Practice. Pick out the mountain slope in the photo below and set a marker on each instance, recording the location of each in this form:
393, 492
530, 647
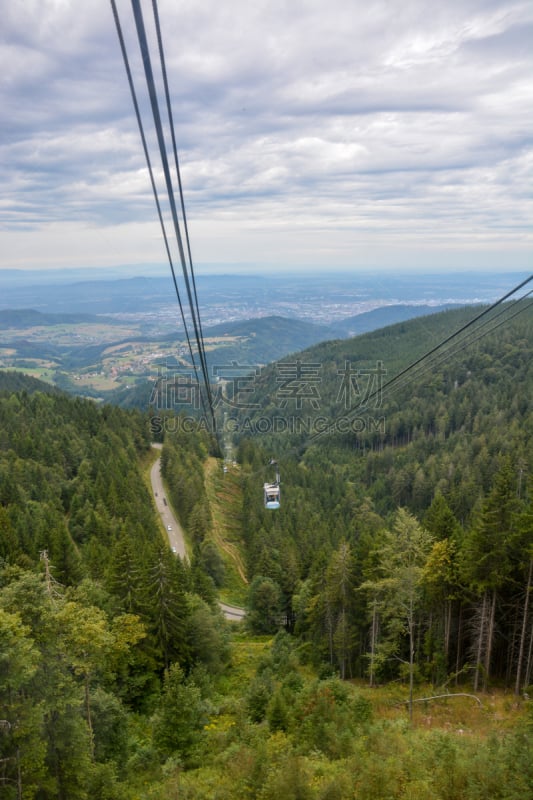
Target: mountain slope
14, 381
437, 423
266, 339
386, 315
29, 317
414, 514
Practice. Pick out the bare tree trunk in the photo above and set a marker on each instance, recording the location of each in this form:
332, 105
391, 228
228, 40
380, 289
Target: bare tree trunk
340, 638
430, 650
411, 623
527, 677
481, 636
373, 642
418, 648
511, 649
447, 629
459, 641
490, 639
523, 631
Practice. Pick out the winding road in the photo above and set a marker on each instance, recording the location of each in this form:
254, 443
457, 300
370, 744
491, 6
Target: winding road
174, 530
232, 612
176, 539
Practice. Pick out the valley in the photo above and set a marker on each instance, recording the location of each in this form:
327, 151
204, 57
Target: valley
385, 652
111, 339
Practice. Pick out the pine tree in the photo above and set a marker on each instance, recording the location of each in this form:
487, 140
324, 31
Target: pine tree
525, 533
338, 603
487, 562
181, 715
22, 749
167, 607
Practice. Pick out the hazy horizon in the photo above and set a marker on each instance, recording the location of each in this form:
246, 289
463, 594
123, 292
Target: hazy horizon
248, 270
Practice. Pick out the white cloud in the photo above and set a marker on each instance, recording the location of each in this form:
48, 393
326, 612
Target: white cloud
341, 133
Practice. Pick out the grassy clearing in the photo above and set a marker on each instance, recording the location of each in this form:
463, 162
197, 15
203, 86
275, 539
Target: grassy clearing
225, 499
42, 373
499, 710
499, 713
100, 383
342, 741
246, 653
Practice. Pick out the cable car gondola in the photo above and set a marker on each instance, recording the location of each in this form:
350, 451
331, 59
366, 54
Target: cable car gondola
272, 492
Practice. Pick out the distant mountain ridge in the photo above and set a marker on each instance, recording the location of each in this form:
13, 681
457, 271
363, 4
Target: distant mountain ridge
87, 291
303, 334
273, 339
380, 317
30, 317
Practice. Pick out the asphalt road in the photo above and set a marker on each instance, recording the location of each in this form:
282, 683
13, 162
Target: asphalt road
174, 530
232, 612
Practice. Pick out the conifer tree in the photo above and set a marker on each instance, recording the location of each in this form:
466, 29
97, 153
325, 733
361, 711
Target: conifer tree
525, 534
167, 606
181, 715
487, 561
338, 602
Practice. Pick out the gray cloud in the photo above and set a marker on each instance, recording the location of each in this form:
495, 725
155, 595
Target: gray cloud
346, 133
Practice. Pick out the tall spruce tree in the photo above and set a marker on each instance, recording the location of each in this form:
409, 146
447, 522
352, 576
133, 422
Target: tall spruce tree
487, 562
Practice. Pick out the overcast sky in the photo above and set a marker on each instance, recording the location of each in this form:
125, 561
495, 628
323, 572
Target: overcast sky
330, 133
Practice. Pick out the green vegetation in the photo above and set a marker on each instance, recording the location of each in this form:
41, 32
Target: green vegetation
224, 541
119, 362
446, 480
397, 570
101, 624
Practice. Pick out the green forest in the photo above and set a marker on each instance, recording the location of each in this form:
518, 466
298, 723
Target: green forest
387, 648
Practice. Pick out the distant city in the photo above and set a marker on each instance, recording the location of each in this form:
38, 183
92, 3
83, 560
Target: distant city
323, 300
100, 337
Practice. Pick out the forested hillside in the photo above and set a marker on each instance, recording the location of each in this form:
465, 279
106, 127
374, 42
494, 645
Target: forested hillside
99, 621
398, 567
405, 549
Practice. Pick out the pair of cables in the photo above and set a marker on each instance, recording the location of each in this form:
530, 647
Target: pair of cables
482, 324
178, 216
465, 336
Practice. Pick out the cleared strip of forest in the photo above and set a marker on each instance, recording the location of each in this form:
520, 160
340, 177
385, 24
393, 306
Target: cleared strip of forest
225, 498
